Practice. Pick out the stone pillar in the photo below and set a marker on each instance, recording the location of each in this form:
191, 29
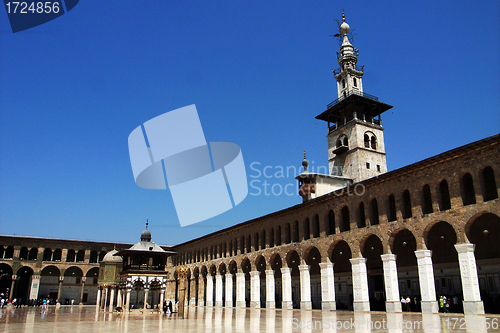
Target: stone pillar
35, 286
255, 289
192, 291
210, 290
119, 298
229, 290
106, 298
392, 303
218, 290
270, 292
468, 274
426, 280
81, 291
112, 299
162, 299
286, 285
58, 304
305, 288
146, 294
12, 285
327, 286
360, 285
201, 290
240, 290
98, 301
127, 302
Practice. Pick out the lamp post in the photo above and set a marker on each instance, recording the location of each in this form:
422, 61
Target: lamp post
182, 274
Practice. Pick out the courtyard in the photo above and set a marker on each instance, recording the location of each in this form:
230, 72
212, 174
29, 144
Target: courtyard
206, 319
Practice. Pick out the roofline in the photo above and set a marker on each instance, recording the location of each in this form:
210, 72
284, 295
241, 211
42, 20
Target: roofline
495, 139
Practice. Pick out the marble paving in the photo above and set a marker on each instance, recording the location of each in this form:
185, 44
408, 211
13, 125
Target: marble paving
87, 319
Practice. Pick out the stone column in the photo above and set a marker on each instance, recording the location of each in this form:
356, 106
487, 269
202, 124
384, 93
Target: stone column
98, 301
218, 290
286, 285
192, 291
106, 298
12, 285
119, 299
255, 289
201, 290
270, 292
327, 286
240, 290
35, 286
360, 285
229, 290
81, 291
210, 290
127, 302
470, 284
162, 299
112, 299
146, 294
392, 302
305, 288
426, 280
58, 304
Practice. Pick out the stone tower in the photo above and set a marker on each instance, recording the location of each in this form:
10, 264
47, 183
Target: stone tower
355, 134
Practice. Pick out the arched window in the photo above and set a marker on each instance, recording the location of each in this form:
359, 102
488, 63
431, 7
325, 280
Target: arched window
307, 229
392, 208
70, 257
367, 141
374, 142
445, 202
490, 186
249, 244
263, 240
242, 244
56, 256
271, 238
295, 232
361, 215
315, 226
375, 218
331, 222
407, 205
278, 236
23, 254
256, 241
355, 82
47, 254
33, 254
343, 83
346, 142
288, 234
468, 193
346, 221
427, 206
9, 252
101, 255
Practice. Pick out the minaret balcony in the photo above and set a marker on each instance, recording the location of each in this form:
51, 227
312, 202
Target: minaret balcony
306, 189
340, 150
349, 93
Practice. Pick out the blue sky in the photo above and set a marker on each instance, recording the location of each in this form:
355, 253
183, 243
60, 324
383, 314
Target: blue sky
73, 89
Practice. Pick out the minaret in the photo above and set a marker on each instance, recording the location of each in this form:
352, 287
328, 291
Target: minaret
355, 134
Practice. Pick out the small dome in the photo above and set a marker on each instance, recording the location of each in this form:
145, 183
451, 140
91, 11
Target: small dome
146, 236
110, 257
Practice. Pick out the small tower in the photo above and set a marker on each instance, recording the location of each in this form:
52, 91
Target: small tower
355, 134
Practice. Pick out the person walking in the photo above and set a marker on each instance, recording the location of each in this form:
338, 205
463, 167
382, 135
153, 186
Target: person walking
408, 304
441, 304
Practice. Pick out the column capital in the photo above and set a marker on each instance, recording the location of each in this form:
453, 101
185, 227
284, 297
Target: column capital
61, 278
388, 257
423, 254
285, 270
325, 265
254, 273
84, 278
358, 261
240, 275
465, 247
229, 276
304, 267
269, 272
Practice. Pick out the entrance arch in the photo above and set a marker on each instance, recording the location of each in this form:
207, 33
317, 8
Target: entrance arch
313, 258
23, 283
340, 253
372, 249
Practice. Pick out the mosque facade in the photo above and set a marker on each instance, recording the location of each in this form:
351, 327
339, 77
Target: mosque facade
362, 238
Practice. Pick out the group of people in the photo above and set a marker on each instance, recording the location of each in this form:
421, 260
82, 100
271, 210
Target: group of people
18, 302
167, 307
407, 304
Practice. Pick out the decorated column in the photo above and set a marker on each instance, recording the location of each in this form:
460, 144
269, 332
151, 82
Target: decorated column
240, 290
286, 285
210, 290
270, 293
360, 285
392, 302
426, 280
327, 286
35, 286
201, 290
218, 290
468, 274
255, 289
182, 273
229, 290
305, 288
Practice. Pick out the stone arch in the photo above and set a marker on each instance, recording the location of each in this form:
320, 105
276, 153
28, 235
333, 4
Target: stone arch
232, 267
33, 254
6, 273
312, 257
293, 261
9, 252
403, 244
245, 265
371, 248
23, 283
57, 255
222, 269
339, 254
440, 237
260, 263
23, 253
275, 262
483, 230
72, 275
92, 275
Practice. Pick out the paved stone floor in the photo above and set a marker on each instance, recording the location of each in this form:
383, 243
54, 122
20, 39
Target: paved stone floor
87, 319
